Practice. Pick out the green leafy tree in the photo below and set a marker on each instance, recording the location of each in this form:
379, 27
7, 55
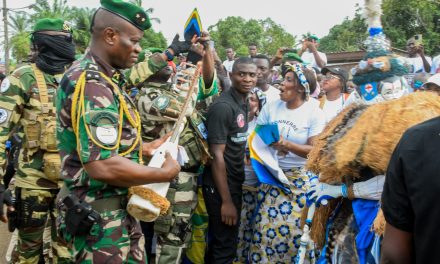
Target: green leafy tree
238, 33
82, 20
403, 19
19, 42
347, 36
153, 39
275, 36
50, 9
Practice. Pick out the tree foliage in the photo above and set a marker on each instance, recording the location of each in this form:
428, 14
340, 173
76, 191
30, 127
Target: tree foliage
50, 9
80, 19
153, 39
20, 46
238, 33
19, 43
81, 22
347, 36
401, 20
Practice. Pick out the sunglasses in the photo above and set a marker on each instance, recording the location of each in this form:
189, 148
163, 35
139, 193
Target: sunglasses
330, 77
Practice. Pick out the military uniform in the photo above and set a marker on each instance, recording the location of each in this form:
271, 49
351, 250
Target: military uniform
119, 234
27, 106
97, 120
160, 105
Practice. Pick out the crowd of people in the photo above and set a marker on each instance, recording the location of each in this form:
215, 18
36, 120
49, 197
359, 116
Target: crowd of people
267, 158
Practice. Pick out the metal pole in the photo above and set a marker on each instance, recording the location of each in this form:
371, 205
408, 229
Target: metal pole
5, 21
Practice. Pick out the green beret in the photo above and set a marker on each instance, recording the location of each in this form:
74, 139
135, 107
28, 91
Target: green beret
52, 24
292, 56
128, 11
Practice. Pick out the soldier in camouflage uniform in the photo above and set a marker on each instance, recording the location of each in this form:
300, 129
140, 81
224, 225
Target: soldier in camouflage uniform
27, 106
99, 139
159, 104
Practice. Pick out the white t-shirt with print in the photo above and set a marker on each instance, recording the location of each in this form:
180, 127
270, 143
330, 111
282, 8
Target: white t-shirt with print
307, 57
272, 94
296, 125
333, 108
416, 64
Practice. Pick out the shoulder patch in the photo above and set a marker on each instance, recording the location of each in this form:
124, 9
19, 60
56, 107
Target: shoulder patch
104, 126
161, 102
5, 85
107, 135
3, 115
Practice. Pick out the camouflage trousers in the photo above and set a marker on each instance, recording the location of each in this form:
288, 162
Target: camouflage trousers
117, 239
37, 207
12, 254
174, 229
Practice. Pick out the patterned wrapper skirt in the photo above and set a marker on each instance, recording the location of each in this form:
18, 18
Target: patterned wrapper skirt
276, 225
246, 223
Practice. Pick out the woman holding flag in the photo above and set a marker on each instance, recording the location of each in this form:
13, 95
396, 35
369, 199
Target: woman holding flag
276, 232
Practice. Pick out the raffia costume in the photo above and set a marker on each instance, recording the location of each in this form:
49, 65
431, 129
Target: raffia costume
356, 146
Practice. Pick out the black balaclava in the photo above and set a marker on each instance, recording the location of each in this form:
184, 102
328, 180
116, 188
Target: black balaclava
55, 52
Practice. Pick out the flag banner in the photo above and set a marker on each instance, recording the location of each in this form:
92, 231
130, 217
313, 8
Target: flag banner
264, 158
193, 25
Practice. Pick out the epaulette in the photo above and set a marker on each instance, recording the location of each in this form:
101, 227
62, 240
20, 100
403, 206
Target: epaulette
92, 72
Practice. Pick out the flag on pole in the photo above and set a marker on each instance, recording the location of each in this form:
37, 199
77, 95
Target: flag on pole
264, 158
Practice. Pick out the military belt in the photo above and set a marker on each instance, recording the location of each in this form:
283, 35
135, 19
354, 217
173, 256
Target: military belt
109, 204
101, 205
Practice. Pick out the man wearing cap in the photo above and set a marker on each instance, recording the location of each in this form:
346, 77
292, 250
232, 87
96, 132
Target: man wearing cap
100, 141
310, 55
27, 106
335, 99
432, 84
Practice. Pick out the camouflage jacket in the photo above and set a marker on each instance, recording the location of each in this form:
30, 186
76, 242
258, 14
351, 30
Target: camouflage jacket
19, 99
102, 111
160, 105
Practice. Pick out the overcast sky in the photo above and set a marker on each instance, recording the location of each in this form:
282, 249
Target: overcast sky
297, 17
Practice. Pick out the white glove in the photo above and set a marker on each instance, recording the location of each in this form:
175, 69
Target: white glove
321, 193
371, 189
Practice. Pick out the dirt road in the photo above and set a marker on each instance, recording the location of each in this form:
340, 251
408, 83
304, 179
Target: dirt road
4, 241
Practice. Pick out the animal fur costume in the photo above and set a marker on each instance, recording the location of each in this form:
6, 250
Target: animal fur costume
362, 138
357, 144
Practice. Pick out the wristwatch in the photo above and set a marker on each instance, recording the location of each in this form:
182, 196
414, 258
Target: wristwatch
170, 56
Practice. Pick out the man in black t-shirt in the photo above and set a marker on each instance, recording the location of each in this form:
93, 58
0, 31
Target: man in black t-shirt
410, 197
227, 135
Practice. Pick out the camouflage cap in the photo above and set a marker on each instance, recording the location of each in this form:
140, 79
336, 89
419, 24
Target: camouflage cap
128, 11
52, 24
